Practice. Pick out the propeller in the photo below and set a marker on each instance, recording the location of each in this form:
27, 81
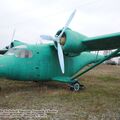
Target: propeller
48, 37
57, 40
9, 46
12, 39
12, 45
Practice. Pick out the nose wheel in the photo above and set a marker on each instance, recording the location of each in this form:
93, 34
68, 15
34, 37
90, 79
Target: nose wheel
76, 86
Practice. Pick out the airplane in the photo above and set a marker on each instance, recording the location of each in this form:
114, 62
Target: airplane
62, 61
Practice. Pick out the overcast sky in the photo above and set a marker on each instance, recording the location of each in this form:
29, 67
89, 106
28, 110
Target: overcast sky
31, 18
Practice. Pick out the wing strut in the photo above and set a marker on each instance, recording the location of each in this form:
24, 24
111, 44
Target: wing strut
96, 64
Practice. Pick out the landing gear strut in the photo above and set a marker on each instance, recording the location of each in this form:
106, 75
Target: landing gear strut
76, 86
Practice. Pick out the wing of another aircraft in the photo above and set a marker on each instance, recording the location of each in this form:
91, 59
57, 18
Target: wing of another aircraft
3, 51
12, 44
104, 42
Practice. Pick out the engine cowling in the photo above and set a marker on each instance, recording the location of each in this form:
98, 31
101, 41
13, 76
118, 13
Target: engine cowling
71, 42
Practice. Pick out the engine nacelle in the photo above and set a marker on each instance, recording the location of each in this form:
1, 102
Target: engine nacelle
71, 41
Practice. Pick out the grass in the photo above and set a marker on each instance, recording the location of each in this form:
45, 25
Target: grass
100, 99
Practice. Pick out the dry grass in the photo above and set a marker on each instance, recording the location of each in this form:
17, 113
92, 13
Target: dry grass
99, 101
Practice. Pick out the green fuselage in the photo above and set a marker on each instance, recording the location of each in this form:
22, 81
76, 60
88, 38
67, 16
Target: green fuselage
43, 64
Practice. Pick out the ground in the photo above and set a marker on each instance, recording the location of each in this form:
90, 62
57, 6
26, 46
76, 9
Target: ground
100, 100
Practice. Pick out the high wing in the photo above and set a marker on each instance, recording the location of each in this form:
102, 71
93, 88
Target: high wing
104, 42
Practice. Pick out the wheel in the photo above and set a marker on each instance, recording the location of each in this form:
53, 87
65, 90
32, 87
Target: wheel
75, 86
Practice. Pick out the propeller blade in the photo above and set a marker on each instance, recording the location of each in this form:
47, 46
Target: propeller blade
67, 23
13, 35
48, 37
60, 57
57, 39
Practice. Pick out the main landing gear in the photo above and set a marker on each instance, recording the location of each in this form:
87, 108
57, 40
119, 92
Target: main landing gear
76, 86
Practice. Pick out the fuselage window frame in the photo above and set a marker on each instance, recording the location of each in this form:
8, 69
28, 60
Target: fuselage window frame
23, 53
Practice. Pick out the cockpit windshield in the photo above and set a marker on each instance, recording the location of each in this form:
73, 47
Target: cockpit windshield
10, 52
21, 53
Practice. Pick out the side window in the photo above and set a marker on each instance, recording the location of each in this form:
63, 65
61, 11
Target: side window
23, 54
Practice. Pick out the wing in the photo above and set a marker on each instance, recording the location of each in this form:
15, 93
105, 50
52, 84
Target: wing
3, 51
104, 42
17, 43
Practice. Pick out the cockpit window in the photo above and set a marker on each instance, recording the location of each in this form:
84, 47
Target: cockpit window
11, 52
21, 53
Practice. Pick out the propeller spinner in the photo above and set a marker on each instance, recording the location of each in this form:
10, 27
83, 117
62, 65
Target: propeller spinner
57, 39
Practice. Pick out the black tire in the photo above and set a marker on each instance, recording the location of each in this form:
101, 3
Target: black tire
75, 86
